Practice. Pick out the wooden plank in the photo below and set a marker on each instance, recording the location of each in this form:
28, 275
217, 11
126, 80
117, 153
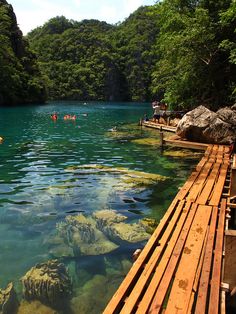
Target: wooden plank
132, 300
191, 180
209, 149
206, 191
158, 126
198, 185
198, 273
186, 144
234, 162
205, 275
160, 294
230, 261
182, 287
150, 291
132, 276
218, 188
217, 263
201, 163
186, 187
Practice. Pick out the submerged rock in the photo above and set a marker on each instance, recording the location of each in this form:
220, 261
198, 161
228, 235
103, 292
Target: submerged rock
35, 307
113, 225
147, 141
47, 282
96, 235
149, 224
142, 179
204, 125
8, 300
129, 179
82, 235
181, 153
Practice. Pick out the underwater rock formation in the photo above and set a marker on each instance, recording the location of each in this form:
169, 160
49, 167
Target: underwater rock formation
113, 225
96, 235
8, 300
149, 224
47, 282
181, 153
82, 235
34, 307
129, 179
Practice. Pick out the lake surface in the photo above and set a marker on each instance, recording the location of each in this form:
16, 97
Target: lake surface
54, 172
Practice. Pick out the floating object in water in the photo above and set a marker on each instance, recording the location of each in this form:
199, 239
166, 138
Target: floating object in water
84, 114
1, 139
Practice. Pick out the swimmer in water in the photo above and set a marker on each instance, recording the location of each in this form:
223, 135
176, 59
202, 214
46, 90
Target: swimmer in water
54, 116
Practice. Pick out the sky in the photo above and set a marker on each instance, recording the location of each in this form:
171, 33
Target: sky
33, 13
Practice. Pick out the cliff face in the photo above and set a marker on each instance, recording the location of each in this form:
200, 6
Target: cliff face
20, 80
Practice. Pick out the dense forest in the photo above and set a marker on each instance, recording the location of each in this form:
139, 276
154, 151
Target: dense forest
20, 78
179, 51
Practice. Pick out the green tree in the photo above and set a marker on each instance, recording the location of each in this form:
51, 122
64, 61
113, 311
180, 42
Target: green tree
20, 79
193, 67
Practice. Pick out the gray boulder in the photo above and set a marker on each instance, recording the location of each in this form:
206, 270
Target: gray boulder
206, 126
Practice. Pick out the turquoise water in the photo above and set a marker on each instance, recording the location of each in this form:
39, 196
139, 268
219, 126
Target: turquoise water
49, 172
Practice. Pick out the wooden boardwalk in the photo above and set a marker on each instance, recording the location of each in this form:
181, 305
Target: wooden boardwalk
180, 268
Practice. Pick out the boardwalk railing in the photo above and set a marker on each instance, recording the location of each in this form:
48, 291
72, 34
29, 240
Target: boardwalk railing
180, 268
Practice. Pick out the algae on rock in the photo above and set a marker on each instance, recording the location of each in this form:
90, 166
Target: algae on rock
8, 300
47, 282
82, 235
113, 225
128, 178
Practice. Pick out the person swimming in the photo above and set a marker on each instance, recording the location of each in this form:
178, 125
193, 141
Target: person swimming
54, 116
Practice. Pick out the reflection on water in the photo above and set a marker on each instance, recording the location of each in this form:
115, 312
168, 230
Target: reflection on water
78, 191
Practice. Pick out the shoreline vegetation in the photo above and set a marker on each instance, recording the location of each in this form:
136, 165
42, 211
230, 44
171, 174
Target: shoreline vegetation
180, 52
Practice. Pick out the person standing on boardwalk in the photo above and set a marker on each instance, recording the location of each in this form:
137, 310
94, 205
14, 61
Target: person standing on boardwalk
157, 111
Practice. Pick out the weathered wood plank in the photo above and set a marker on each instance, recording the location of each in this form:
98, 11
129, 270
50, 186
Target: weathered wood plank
198, 273
161, 292
217, 263
183, 283
206, 191
205, 274
151, 264
117, 300
150, 291
199, 183
218, 188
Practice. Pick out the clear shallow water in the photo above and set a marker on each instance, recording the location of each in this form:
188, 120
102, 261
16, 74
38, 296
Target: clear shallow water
43, 181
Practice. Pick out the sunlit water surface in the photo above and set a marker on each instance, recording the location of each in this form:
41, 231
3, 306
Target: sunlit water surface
43, 181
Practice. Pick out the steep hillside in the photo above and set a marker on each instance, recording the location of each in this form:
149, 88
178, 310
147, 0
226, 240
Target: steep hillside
20, 79
92, 60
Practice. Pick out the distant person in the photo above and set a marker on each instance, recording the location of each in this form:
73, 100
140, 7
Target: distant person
66, 117
157, 111
163, 114
54, 116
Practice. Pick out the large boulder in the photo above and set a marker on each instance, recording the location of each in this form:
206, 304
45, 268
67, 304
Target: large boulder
206, 126
47, 282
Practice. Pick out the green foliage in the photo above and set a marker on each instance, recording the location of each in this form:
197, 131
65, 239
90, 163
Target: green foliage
180, 51
196, 53
20, 79
93, 60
